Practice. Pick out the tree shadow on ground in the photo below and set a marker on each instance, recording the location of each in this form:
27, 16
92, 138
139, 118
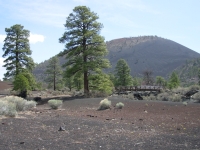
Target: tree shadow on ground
64, 98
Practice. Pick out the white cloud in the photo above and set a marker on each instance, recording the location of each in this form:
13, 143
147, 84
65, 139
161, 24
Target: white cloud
48, 12
54, 13
34, 38
2, 38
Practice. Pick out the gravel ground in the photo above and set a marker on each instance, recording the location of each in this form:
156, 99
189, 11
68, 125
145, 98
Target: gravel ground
140, 125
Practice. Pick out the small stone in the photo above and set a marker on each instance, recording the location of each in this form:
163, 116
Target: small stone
61, 129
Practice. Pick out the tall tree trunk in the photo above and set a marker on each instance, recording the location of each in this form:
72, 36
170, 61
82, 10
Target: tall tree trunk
86, 88
17, 58
17, 63
54, 79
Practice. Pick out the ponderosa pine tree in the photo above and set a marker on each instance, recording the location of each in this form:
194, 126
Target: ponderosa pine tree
174, 81
198, 76
16, 51
54, 73
122, 74
85, 48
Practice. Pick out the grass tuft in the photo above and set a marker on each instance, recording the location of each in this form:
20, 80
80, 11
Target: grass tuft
119, 105
54, 103
104, 104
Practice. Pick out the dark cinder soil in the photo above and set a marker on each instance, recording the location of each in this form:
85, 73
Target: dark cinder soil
140, 125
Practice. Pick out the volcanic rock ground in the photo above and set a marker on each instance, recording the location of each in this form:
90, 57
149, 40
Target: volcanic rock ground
140, 125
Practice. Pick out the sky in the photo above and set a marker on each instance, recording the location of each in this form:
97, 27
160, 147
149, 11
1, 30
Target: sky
177, 20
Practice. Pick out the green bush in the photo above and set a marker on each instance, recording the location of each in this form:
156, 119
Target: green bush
54, 104
119, 105
104, 104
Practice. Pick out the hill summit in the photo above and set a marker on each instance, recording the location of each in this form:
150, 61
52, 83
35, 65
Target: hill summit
157, 54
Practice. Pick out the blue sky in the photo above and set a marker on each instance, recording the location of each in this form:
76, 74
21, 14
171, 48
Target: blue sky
177, 20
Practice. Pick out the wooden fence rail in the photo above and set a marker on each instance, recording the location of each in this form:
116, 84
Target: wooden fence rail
138, 88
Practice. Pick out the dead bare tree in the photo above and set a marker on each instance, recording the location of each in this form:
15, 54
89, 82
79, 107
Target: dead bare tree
148, 77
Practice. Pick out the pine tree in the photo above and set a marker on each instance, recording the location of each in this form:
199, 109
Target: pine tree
122, 74
174, 81
17, 50
101, 82
54, 73
85, 48
199, 76
160, 81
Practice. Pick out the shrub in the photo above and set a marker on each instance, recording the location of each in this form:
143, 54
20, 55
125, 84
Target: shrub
194, 87
29, 105
7, 109
54, 104
176, 98
180, 90
197, 96
163, 96
104, 104
11, 110
152, 97
185, 103
119, 105
55, 93
20, 103
129, 96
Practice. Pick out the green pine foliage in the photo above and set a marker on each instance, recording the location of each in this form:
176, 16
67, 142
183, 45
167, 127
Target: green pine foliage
16, 51
101, 82
85, 49
122, 74
174, 81
137, 81
199, 76
78, 81
160, 81
54, 74
75, 81
31, 80
21, 83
